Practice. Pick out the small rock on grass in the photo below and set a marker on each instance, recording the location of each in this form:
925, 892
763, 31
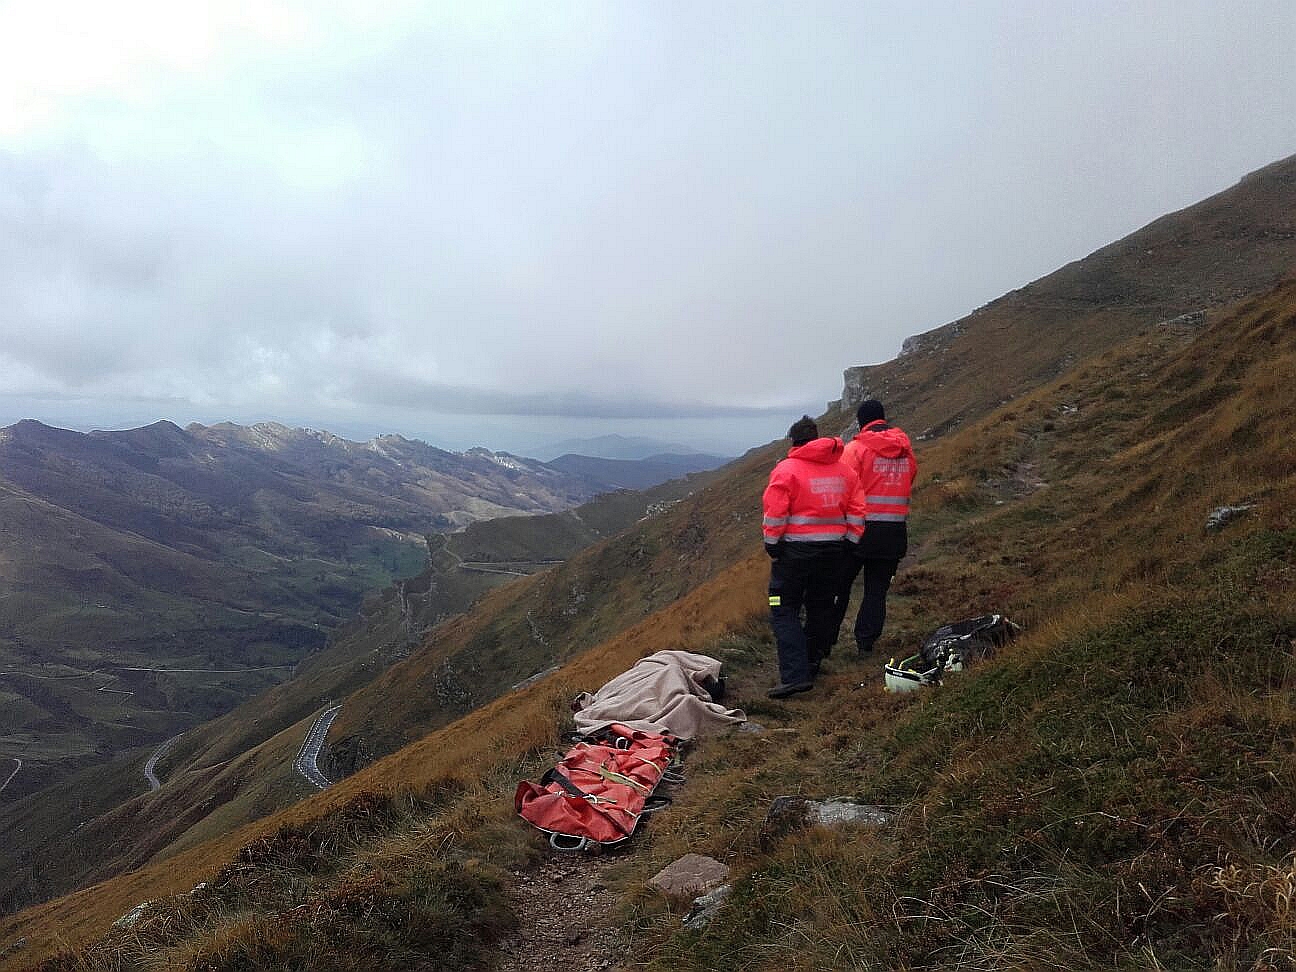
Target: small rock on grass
1226, 514
788, 813
707, 907
691, 874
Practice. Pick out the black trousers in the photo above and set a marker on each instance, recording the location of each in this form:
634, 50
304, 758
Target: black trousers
878, 572
804, 579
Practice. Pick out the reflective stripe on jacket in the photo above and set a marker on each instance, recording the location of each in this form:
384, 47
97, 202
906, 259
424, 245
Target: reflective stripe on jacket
813, 496
883, 461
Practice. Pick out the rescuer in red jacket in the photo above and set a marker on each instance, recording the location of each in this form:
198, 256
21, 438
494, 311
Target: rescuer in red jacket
883, 462
813, 512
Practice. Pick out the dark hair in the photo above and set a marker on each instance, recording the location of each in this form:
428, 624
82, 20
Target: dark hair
869, 411
803, 430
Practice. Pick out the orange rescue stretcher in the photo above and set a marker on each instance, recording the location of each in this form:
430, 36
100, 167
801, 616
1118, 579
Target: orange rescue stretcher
595, 795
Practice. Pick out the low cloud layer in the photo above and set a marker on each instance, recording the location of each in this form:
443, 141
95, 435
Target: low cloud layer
396, 218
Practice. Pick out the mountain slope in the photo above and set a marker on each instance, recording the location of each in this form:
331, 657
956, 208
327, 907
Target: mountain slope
1183, 262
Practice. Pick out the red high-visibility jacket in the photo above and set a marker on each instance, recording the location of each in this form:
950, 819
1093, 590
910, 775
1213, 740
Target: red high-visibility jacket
813, 496
883, 462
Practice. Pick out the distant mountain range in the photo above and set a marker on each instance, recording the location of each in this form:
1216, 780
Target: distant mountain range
616, 447
635, 473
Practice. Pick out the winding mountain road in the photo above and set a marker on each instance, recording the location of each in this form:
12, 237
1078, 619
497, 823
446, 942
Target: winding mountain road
109, 674
125, 668
520, 568
150, 768
305, 763
13, 774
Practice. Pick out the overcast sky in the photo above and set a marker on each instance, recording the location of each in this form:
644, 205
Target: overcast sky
501, 224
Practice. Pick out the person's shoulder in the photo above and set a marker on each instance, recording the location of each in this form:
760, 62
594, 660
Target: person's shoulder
859, 444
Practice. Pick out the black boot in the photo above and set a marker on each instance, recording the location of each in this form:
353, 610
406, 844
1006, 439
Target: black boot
782, 690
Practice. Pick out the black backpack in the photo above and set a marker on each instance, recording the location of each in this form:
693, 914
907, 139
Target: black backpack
953, 647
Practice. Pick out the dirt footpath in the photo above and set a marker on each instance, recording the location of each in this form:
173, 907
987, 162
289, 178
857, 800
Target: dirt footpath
566, 909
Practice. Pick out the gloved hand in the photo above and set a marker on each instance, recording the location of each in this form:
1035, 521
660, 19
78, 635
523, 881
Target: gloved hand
775, 550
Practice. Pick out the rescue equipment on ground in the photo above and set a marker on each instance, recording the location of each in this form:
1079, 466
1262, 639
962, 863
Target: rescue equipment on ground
907, 675
596, 794
950, 648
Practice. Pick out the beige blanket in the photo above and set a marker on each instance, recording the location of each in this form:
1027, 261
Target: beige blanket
661, 693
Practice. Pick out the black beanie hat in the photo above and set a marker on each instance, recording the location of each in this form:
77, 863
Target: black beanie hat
803, 430
869, 411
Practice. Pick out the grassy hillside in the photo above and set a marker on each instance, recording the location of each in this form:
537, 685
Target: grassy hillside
1112, 792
